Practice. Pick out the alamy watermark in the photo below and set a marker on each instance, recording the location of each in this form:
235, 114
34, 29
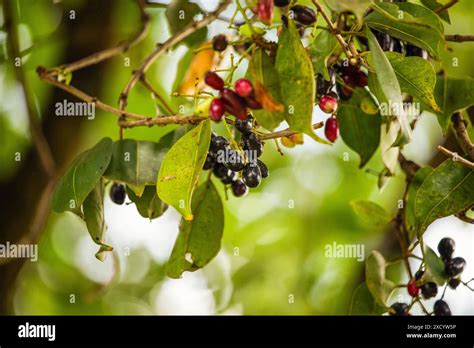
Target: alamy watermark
67, 108
21, 251
409, 108
347, 251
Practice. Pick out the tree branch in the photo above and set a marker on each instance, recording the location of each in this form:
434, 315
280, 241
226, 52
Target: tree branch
161, 48
464, 141
445, 7
455, 156
37, 136
153, 90
459, 38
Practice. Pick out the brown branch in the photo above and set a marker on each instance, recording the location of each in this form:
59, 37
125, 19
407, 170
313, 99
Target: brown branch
409, 167
37, 136
100, 56
445, 7
286, 133
459, 38
456, 157
463, 217
162, 121
464, 141
168, 44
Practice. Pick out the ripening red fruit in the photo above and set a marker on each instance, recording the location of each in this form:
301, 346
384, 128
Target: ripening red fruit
252, 103
331, 129
216, 110
362, 79
244, 88
233, 104
328, 104
413, 290
219, 43
214, 81
265, 11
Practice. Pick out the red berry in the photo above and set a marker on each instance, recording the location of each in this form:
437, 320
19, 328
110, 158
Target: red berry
265, 11
328, 104
252, 103
214, 81
413, 290
216, 110
244, 88
331, 129
234, 104
362, 79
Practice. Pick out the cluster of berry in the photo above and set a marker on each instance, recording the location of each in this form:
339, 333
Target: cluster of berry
226, 163
234, 102
453, 267
388, 43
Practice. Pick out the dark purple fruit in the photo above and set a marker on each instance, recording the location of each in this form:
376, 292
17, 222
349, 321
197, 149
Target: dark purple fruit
220, 171
304, 14
234, 104
253, 143
281, 3
454, 283
118, 194
399, 309
252, 103
331, 129
234, 162
244, 126
263, 169
213, 80
216, 110
229, 178
209, 162
251, 175
429, 290
419, 274
219, 143
239, 189
454, 267
415, 51
446, 248
219, 43
441, 308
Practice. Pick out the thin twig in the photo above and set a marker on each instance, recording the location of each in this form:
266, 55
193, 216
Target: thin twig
37, 136
445, 7
162, 48
456, 157
153, 90
459, 38
161, 121
464, 140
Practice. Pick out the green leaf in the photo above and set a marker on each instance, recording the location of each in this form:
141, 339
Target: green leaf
199, 240
434, 267
446, 191
415, 184
261, 69
433, 5
321, 49
358, 7
363, 303
297, 81
371, 213
379, 287
81, 177
93, 208
181, 167
360, 131
415, 75
410, 22
136, 163
149, 205
453, 95
179, 14
389, 83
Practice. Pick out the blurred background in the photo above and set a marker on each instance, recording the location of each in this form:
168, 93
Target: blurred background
272, 260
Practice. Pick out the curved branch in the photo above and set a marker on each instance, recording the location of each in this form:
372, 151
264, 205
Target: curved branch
459, 38
161, 48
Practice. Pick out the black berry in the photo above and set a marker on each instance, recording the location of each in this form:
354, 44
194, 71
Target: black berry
446, 248
253, 143
219, 143
429, 290
220, 171
117, 193
263, 169
454, 283
415, 51
244, 126
441, 308
303, 14
235, 161
239, 189
419, 274
229, 178
219, 43
281, 3
209, 162
400, 309
251, 175
454, 267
